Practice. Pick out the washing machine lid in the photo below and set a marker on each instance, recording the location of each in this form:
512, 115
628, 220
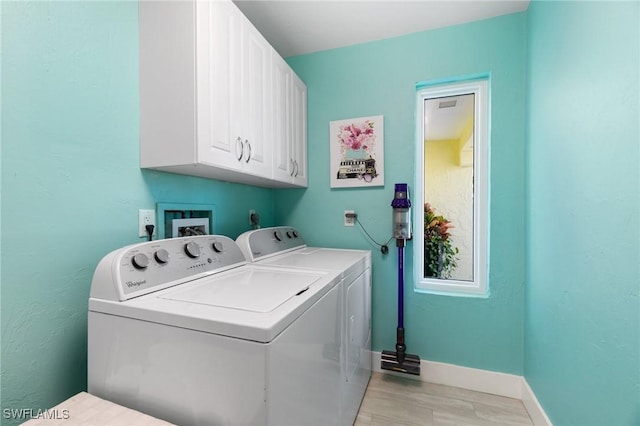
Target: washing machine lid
261, 290
251, 302
345, 261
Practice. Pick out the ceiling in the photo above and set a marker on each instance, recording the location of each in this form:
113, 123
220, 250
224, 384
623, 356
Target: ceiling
447, 118
296, 27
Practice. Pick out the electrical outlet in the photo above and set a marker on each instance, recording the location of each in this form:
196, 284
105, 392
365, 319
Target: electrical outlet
349, 221
146, 217
254, 218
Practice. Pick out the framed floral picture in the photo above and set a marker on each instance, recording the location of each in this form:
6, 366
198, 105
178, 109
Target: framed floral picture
357, 152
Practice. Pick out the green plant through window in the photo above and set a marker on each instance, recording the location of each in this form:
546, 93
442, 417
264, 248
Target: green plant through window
439, 253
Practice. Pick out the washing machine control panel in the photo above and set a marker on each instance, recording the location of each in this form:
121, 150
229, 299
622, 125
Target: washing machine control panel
150, 266
266, 242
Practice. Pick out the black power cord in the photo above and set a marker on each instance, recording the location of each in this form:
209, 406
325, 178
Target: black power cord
384, 248
149, 229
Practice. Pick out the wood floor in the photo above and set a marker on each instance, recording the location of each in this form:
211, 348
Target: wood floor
392, 400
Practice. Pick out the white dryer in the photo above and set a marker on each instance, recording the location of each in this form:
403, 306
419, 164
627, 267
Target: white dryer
284, 247
185, 330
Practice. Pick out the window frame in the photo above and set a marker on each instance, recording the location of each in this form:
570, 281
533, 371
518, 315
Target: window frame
479, 85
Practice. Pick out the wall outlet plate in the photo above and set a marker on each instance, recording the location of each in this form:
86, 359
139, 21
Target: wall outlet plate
349, 221
146, 217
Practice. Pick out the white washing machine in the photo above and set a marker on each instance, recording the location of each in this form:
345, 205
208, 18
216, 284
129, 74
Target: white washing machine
284, 247
186, 330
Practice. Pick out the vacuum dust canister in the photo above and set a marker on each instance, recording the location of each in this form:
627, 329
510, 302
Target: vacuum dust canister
401, 212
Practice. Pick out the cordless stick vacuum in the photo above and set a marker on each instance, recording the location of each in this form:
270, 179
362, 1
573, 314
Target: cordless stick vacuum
399, 360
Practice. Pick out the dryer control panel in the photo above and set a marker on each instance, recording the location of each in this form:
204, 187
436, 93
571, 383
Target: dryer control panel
265, 242
150, 266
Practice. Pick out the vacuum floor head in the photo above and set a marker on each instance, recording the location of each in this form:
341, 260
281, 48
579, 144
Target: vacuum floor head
409, 365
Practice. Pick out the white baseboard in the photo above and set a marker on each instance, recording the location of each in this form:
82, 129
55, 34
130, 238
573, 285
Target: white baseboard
537, 414
496, 383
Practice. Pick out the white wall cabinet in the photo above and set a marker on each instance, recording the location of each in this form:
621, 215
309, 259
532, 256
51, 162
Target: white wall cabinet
299, 124
206, 94
233, 69
289, 96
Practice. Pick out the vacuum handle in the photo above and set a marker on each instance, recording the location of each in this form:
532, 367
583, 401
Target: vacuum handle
401, 285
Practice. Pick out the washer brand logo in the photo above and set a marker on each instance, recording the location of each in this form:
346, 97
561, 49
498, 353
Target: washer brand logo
135, 283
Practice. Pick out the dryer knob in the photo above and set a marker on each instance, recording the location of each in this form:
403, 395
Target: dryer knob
162, 256
217, 247
290, 234
192, 250
278, 235
140, 261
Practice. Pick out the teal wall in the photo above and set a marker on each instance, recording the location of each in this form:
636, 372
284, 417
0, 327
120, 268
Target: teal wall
564, 78
379, 78
583, 212
71, 185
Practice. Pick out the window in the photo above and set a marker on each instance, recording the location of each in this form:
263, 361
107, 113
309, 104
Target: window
451, 239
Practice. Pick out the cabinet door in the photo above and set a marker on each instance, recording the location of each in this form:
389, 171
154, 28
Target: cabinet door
255, 95
218, 64
281, 108
299, 130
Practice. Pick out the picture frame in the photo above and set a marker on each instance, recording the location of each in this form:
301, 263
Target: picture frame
357, 152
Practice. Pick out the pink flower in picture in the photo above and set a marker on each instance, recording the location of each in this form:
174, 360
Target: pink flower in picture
357, 136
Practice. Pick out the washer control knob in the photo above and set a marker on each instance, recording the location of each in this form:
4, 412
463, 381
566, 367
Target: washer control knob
192, 250
140, 261
162, 256
217, 247
292, 234
278, 235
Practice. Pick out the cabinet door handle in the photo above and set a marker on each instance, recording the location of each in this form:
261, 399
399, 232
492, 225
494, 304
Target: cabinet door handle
297, 168
293, 167
246, 141
239, 141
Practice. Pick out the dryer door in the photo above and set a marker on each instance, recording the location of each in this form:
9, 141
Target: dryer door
357, 344
357, 324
